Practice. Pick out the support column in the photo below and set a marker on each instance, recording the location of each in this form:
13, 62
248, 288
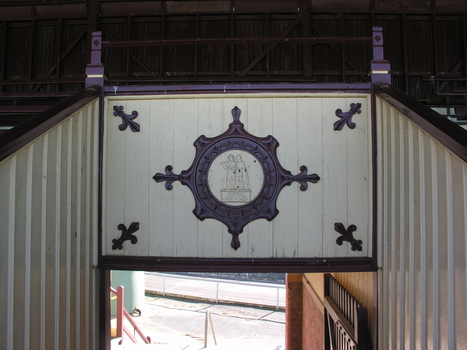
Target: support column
95, 70
379, 67
306, 32
293, 318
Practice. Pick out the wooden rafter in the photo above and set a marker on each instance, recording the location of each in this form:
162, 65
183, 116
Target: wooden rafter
455, 70
127, 50
269, 48
66, 52
345, 59
3, 52
62, 57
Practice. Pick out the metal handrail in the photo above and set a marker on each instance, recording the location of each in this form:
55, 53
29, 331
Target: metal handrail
122, 314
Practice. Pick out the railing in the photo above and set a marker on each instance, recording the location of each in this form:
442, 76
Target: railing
346, 318
279, 295
122, 314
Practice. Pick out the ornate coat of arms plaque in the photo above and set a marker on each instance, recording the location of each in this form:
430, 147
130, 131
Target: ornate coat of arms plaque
236, 178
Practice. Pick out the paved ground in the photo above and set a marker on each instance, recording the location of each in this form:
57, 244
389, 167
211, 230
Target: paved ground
179, 324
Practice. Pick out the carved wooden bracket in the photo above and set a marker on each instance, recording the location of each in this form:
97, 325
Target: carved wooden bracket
127, 120
127, 234
347, 235
236, 178
346, 118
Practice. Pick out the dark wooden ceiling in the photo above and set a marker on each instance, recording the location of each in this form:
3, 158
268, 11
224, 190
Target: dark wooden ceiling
45, 46
25, 9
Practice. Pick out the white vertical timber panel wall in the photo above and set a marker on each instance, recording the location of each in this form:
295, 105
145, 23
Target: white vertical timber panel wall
303, 126
48, 223
423, 238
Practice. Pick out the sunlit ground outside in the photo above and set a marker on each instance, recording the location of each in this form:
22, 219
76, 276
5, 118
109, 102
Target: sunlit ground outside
179, 323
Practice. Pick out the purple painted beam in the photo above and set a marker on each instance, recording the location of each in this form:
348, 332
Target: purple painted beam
229, 88
261, 40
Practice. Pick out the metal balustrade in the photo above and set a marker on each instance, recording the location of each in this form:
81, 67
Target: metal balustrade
123, 315
214, 291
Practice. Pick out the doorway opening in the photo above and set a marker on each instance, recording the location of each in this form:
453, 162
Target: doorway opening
188, 310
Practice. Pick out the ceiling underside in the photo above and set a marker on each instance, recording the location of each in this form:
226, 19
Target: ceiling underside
25, 9
45, 46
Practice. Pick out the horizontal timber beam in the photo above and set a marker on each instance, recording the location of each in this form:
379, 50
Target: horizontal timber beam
229, 88
259, 40
295, 265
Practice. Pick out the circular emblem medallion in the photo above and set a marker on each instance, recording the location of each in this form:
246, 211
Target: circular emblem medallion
235, 177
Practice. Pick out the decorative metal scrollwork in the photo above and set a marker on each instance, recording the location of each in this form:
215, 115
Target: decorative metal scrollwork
127, 234
236, 178
127, 120
169, 177
346, 118
347, 235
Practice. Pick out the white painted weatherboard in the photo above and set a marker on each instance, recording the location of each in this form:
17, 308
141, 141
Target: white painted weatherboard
422, 238
302, 124
48, 225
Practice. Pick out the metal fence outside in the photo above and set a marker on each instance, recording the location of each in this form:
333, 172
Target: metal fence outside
217, 290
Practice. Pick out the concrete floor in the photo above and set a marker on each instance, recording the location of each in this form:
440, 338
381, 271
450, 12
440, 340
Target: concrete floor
179, 324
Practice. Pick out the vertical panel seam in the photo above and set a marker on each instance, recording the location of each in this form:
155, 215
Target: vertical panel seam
411, 183
68, 233
464, 169
10, 252
423, 255
393, 231
450, 246
43, 248
27, 247
402, 234
57, 236
79, 166
88, 229
434, 168
383, 218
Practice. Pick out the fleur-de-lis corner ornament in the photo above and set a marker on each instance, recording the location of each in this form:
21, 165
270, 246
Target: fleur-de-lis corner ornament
127, 120
346, 118
347, 235
127, 234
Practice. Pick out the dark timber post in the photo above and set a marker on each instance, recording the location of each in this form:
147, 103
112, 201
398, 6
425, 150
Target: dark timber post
95, 70
379, 67
306, 32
